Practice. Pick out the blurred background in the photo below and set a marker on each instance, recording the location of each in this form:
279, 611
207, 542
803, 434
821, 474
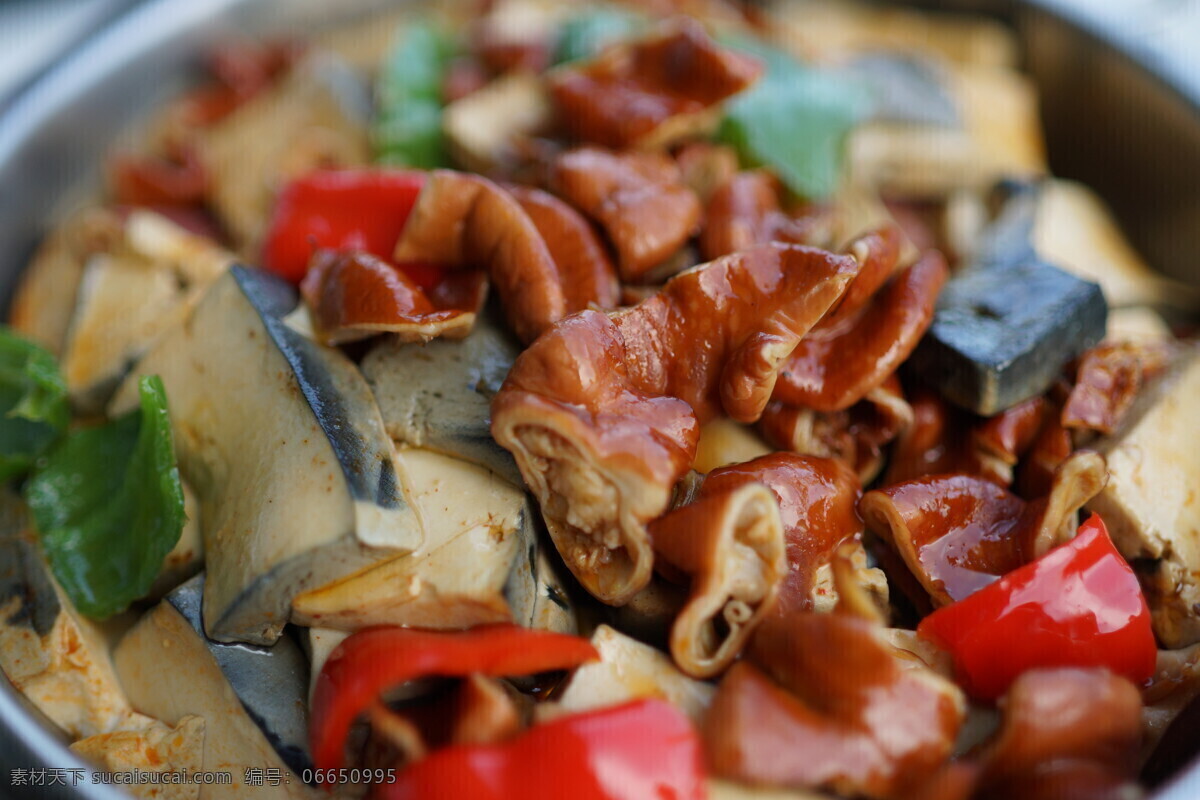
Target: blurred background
34, 32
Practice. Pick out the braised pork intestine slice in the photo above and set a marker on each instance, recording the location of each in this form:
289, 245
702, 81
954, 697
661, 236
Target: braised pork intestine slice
649, 92
639, 199
730, 547
463, 220
817, 499
836, 367
871, 722
354, 295
958, 533
602, 411
856, 436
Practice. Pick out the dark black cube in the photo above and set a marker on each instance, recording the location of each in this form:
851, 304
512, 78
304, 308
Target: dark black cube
1003, 332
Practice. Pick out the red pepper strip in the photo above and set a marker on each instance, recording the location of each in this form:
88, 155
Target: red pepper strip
339, 210
644, 749
374, 660
1079, 605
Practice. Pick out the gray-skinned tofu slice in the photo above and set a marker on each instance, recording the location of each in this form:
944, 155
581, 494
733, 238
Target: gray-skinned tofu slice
282, 442
1151, 503
253, 699
438, 395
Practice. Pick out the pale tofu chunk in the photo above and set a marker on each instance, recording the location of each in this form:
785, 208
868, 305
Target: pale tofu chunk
320, 644
723, 442
56, 658
124, 305
1151, 504
316, 117
150, 746
628, 670
1136, 324
144, 283
482, 127
999, 136
832, 29
456, 578
45, 298
1076, 231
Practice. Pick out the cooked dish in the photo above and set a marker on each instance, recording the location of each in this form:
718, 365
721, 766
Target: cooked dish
676, 400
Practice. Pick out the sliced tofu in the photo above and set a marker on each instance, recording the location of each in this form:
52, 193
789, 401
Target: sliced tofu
628, 670
150, 746
316, 117
187, 556
723, 442
124, 304
999, 136
282, 442
482, 127
56, 658
1136, 324
834, 30
1075, 230
130, 294
1000, 111
457, 578
253, 700
45, 298
1151, 503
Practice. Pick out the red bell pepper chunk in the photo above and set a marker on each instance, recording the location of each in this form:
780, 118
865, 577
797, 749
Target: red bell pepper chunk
639, 750
339, 210
374, 660
1079, 605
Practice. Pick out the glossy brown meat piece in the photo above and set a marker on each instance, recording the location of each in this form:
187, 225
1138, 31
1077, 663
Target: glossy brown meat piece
354, 295
1107, 382
729, 545
834, 368
846, 714
1065, 733
959, 533
602, 412
1010, 433
478, 710
644, 92
585, 271
1025, 442
463, 220
940, 440
601, 453
178, 178
818, 499
856, 436
878, 252
746, 211
737, 320
706, 167
1035, 473
639, 199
